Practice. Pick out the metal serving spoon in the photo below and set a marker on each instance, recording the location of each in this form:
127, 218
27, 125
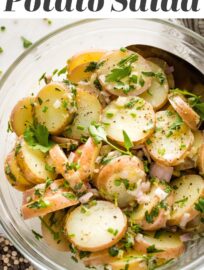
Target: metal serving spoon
186, 76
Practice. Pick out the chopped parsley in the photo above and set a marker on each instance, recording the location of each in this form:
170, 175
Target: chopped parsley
3, 28
97, 84
37, 235
112, 231
153, 249
1, 50
150, 216
161, 151
44, 109
113, 251
39, 204
26, 43
92, 66
72, 166
49, 168
69, 195
62, 71
158, 75
199, 206
123, 49
175, 126
84, 254
118, 74
181, 203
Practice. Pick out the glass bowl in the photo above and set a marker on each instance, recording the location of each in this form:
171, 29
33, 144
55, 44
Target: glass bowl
52, 52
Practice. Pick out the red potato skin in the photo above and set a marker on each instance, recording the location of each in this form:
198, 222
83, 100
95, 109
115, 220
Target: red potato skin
98, 258
53, 195
86, 161
166, 254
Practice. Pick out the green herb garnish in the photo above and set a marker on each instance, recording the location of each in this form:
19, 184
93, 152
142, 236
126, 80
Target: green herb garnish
199, 206
153, 249
26, 43
37, 235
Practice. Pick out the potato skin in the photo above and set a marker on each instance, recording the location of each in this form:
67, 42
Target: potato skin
34, 176
22, 115
54, 107
168, 253
200, 160
191, 187
53, 196
189, 116
14, 174
87, 246
131, 166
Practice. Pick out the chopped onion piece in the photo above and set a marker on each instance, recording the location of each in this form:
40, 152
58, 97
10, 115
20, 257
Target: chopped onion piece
161, 172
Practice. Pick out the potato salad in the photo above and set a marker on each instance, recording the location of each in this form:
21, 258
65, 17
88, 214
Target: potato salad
109, 156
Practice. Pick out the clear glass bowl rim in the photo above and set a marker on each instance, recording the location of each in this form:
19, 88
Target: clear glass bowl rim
44, 265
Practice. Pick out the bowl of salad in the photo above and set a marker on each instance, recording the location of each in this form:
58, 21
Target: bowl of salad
102, 157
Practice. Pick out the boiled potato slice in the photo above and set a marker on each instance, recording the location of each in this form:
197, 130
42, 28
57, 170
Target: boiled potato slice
117, 177
198, 142
171, 140
188, 190
196, 225
166, 68
96, 228
121, 73
32, 162
200, 160
131, 262
153, 214
89, 110
133, 115
157, 94
84, 159
55, 107
42, 200
52, 227
79, 74
14, 174
189, 116
84, 58
166, 245
22, 115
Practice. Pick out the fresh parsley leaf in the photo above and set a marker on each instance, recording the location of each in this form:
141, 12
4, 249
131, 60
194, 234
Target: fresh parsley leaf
150, 216
127, 142
37, 235
199, 206
92, 66
118, 74
153, 249
175, 126
37, 136
128, 60
26, 43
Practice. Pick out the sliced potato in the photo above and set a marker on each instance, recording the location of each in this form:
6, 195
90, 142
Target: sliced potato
14, 174
84, 58
189, 116
89, 110
84, 158
66, 143
52, 226
22, 115
196, 225
153, 214
193, 158
171, 140
132, 81
97, 227
200, 160
55, 107
188, 190
32, 162
157, 94
166, 68
131, 262
117, 177
133, 115
166, 245
42, 200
